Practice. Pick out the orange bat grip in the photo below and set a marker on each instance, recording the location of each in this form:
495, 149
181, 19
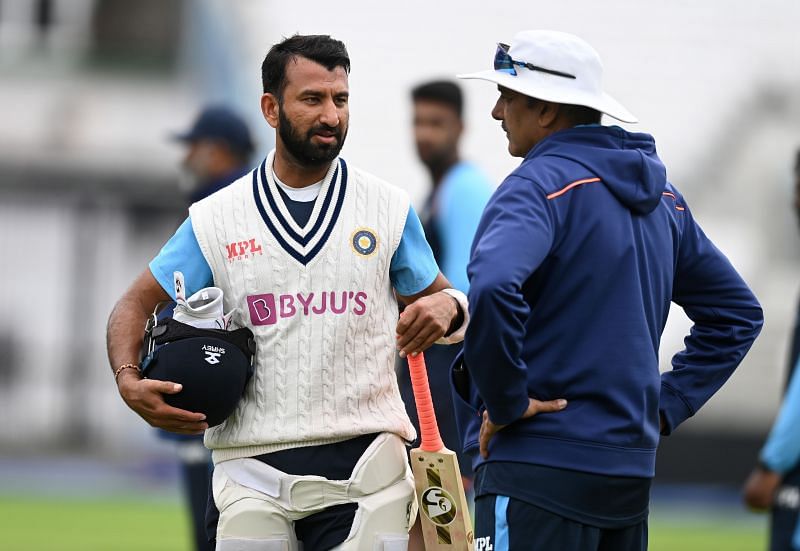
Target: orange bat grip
431, 439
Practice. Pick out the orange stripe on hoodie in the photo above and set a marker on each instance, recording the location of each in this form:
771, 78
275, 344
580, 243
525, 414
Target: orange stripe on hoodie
568, 187
677, 206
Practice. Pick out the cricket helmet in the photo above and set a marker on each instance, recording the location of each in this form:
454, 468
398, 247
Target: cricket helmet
213, 365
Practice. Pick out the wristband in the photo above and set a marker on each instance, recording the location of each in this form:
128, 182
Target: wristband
457, 335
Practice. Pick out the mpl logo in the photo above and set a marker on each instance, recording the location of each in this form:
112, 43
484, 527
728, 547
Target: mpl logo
239, 250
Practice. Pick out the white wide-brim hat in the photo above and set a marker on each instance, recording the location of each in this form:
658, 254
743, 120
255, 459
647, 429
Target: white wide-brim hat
553, 51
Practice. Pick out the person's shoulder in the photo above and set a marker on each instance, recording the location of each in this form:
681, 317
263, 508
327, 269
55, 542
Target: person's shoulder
550, 173
466, 175
671, 190
242, 184
360, 177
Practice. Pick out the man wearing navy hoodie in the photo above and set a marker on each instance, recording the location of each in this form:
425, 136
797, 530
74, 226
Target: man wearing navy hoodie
575, 262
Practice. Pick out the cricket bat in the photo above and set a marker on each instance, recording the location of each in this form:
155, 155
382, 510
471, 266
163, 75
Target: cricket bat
445, 521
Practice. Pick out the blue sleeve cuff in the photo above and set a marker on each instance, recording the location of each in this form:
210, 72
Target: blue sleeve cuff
673, 408
413, 267
508, 412
165, 281
182, 253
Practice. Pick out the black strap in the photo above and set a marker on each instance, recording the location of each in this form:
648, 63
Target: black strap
168, 330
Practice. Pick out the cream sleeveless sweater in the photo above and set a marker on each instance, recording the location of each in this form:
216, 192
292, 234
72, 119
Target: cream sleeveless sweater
319, 302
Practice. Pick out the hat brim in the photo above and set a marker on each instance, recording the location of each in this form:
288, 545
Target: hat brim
557, 94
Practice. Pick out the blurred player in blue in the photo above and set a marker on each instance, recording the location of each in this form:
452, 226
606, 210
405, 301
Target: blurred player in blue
449, 217
218, 150
775, 482
576, 260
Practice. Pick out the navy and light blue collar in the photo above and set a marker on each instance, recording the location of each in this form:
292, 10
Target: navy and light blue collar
304, 243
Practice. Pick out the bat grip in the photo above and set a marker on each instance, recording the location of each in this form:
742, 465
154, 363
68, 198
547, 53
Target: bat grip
431, 440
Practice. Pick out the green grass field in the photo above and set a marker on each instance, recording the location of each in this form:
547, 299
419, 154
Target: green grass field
92, 525
710, 535
129, 525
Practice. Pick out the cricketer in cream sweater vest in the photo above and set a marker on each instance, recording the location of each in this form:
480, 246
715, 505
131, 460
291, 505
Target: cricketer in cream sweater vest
320, 303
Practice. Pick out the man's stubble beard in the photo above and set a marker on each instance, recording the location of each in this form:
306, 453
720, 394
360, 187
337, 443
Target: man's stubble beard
306, 152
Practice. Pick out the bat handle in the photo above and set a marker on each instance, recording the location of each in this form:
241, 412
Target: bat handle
431, 440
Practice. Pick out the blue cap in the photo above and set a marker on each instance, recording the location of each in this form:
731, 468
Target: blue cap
221, 124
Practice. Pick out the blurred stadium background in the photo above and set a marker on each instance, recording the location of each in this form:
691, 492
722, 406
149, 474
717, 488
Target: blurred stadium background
90, 91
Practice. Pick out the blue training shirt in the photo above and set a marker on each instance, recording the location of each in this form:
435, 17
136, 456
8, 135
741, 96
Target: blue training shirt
781, 452
460, 199
413, 268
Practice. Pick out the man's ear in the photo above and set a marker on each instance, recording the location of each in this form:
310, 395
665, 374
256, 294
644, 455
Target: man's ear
270, 108
548, 113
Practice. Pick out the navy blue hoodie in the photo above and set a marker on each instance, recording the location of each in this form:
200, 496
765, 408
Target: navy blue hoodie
574, 264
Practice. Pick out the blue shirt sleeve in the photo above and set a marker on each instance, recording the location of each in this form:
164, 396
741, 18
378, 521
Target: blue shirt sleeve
413, 267
182, 253
726, 319
462, 198
782, 449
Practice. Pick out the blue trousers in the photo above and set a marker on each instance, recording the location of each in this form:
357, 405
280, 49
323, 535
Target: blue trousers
508, 524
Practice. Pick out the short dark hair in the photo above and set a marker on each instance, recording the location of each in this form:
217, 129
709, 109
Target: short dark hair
442, 91
580, 114
321, 48
575, 114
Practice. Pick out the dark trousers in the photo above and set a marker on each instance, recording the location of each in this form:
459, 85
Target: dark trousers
507, 524
784, 516
196, 483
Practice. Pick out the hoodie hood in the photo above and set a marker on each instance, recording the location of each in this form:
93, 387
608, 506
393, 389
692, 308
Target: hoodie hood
626, 162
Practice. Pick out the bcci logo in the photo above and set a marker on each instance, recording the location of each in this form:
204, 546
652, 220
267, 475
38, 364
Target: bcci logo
364, 242
438, 506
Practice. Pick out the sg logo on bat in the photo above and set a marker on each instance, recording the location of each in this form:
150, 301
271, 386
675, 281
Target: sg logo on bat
438, 506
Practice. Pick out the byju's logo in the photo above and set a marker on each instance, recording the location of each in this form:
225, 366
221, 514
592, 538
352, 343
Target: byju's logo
262, 309
266, 309
243, 249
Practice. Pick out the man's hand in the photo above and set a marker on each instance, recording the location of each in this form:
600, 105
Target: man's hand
760, 488
535, 407
125, 331
145, 397
425, 321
